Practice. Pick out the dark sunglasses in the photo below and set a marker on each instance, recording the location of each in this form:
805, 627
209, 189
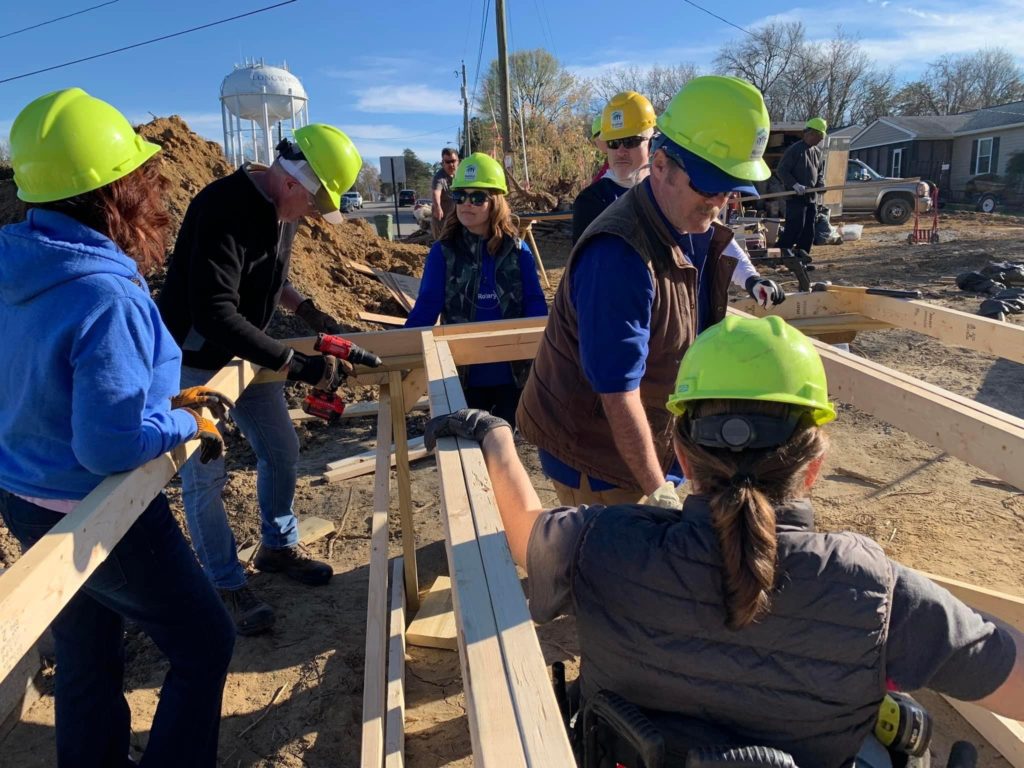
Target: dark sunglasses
630, 142
460, 196
694, 187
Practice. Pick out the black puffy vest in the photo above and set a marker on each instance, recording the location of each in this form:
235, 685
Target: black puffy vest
807, 678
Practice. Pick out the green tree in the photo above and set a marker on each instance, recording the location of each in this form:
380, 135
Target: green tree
418, 174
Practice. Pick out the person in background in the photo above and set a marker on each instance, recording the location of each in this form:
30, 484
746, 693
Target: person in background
481, 270
680, 611
90, 389
647, 275
228, 275
627, 125
441, 204
802, 167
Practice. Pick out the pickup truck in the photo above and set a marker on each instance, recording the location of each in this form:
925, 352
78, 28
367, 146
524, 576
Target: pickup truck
891, 201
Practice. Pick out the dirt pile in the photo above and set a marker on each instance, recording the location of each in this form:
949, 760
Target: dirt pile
320, 251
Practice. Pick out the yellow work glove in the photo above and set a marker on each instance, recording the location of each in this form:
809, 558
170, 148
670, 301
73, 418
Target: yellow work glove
203, 397
663, 496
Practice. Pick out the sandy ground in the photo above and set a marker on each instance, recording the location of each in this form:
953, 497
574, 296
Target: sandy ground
293, 697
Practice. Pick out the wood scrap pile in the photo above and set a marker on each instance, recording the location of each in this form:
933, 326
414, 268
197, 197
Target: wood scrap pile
403, 288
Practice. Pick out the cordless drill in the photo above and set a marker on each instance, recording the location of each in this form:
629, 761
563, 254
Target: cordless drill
328, 405
903, 725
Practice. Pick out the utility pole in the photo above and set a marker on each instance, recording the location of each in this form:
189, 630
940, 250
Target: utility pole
506, 113
465, 114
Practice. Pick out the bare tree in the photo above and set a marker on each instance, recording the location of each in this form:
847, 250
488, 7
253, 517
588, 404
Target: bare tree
998, 77
368, 181
914, 98
658, 83
952, 82
875, 98
541, 88
765, 58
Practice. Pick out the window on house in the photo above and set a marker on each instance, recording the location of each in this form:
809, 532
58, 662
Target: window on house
983, 164
897, 163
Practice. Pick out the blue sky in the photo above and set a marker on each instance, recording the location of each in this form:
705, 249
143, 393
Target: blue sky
385, 72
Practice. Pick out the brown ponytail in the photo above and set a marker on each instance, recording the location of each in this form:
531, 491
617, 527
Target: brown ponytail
744, 488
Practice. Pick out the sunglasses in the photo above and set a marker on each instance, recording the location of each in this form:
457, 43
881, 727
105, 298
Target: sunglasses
460, 196
451, 162
694, 187
630, 142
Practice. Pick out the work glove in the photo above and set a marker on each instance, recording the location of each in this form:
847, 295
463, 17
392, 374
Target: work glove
203, 397
317, 319
799, 188
211, 444
470, 423
325, 372
762, 290
664, 496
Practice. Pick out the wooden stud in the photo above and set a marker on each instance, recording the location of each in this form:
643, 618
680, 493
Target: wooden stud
536, 254
365, 463
538, 717
46, 577
394, 731
1006, 735
375, 657
310, 529
401, 451
376, 317
489, 707
414, 389
434, 625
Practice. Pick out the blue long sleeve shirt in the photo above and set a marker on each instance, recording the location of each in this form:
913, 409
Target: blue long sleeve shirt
429, 304
86, 390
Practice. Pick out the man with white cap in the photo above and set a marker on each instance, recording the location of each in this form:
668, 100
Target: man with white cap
228, 274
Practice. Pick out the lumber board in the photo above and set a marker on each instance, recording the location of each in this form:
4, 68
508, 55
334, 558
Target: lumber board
394, 726
1009, 608
1006, 735
414, 389
363, 268
536, 254
950, 326
310, 529
537, 715
489, 707
488, 326
44, 579
495, 346
404, 478
365, 463
434, 625
796, 306
376, 317
375, 656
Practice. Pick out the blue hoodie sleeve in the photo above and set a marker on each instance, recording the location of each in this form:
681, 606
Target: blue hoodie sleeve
114, 428
534, 302
430, 301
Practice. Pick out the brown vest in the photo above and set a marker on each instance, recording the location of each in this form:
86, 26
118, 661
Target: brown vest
559, 411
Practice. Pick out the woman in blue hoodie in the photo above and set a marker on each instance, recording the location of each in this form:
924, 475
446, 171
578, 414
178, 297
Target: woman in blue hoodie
90, 388
480, 270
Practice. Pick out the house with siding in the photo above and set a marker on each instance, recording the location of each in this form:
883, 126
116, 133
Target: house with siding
950, 149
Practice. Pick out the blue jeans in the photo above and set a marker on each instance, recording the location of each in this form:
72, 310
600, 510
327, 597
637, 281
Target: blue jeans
261, 414
151, 578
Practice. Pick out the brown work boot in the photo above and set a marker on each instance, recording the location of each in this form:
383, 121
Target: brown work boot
295, 562
251, 615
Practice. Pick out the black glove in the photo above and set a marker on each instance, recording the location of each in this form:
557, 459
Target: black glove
317, 319
211, 444
324, 372
762, 290
470, 423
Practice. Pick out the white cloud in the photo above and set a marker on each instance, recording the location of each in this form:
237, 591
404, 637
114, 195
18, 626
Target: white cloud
365, 68
415, 99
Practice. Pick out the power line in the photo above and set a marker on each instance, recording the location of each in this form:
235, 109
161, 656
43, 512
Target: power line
147, 42
721, 19
480, 50
59, 18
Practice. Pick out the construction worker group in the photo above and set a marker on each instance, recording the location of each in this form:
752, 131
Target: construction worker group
639, 382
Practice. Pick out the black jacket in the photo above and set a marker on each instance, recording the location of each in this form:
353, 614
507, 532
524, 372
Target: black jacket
591, 202
229, 266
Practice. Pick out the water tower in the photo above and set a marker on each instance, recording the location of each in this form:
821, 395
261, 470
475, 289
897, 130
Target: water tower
268, 98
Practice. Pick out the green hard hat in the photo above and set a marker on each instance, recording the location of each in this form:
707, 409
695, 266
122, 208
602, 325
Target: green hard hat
480, 171
817, 124
67, 143
722, 120
332, 156
748, 358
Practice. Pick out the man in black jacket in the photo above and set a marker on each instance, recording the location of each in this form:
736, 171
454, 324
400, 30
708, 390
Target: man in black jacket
803, 167
228, 274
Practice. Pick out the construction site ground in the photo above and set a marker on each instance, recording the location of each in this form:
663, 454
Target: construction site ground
293, 697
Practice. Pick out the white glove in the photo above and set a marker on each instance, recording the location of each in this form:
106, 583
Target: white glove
799, 188
663, 496
762, 290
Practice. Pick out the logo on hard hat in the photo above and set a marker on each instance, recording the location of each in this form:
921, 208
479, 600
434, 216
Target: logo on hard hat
760, 143
618, 120
470, 172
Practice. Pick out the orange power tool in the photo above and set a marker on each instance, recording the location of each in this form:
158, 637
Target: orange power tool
328, 405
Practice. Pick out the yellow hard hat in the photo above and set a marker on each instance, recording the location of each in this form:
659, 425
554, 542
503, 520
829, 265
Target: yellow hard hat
67, 143
627, 114
817, 124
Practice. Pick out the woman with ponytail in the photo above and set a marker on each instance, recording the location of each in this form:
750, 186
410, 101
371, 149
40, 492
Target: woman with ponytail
736, 617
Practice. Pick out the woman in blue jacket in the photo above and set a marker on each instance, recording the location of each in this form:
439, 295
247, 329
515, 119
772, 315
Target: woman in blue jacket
90, 388
480, 270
